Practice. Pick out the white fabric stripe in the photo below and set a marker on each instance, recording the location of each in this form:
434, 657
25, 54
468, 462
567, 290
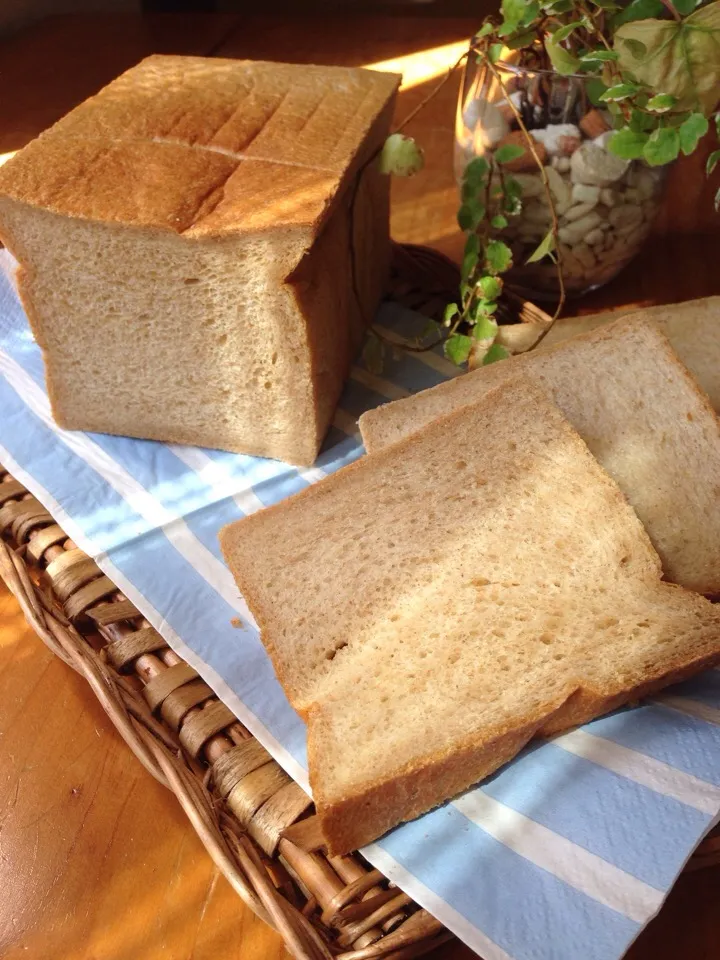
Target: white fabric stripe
439, 908
311, 474
692, 707
428, 357
580, 869
647, 771
390, 390
216, 476
224, 692
212, 570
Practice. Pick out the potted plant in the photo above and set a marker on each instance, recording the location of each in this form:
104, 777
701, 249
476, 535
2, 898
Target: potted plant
569, 111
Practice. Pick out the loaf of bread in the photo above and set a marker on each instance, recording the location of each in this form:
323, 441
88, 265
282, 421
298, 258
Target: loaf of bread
201, 246
432, 607
693, 328
642, 415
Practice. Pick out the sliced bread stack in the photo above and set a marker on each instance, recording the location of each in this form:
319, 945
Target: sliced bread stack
481, 581
641, 413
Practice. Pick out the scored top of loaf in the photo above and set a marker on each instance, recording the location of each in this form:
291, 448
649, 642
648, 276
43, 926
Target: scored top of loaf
207, 147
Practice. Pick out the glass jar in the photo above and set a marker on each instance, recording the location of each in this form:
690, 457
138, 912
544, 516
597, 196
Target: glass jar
605, 205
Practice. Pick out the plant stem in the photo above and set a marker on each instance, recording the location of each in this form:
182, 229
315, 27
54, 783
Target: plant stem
435, 90
671, 7
548, 194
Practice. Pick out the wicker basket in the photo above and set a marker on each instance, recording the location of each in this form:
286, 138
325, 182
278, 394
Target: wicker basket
256, 823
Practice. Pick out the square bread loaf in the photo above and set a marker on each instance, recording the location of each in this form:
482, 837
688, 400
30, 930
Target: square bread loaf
435, 605
641, 413
187, 241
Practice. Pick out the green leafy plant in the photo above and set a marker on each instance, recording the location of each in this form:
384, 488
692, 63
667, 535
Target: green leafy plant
653, 64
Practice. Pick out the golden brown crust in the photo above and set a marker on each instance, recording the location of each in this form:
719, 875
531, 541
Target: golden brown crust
359, 819
207, 147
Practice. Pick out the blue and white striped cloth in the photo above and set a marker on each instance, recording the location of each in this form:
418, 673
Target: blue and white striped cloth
564, 854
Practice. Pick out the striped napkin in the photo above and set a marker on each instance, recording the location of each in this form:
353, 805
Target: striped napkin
564, 854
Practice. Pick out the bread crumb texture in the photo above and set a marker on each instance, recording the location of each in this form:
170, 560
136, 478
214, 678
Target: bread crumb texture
436, 605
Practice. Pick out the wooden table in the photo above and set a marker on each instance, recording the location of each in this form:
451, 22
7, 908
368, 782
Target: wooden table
96, 860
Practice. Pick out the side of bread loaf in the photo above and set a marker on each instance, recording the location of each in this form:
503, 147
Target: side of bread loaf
186, 255
641, 414
435, 605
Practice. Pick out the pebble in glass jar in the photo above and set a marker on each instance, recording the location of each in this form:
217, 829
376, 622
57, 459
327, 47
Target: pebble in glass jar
605, 205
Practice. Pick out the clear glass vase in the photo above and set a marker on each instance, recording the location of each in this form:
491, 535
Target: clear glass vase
605, 205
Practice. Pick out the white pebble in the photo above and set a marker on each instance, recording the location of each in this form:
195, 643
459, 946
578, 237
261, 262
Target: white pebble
560, 189
490, 129
574, 232
532, 185
608, 197
536, 213
578, 211
629, 214
603, 139
551, 134
592, 165
561, 164
595, 237
583, 193
632, 195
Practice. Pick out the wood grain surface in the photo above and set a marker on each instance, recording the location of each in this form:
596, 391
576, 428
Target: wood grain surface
96, 860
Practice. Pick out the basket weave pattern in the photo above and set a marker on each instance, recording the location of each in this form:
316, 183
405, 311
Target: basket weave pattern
255, 822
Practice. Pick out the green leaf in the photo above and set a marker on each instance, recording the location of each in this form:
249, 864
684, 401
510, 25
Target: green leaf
495, 353
491, 287
605, 5
532, 10
470, 256
627, 143
451, 311
681, 57
558, 6
485, 328
494, 52
717, 202
642, 122
499, 222
498, 256
485, 30
717, 124
546, 245
476, 171
469, 191
637, 10
695, 127
373, 354
564, 62
636, 49
562, 33
662, 146
470, 214
594, 87
621, 91
685, 7
661, 102
457, 348
598, 56
712, 162
521, 40
508, 152
401, 156
512, 12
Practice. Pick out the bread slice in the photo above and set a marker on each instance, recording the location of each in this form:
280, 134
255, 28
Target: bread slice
432, 607
187, 249
693, 328
642, 415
